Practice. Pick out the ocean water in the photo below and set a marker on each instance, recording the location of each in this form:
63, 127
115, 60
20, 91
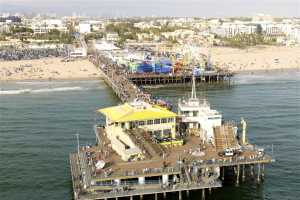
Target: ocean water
39, 120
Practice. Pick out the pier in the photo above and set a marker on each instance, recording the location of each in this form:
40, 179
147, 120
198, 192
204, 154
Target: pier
115, 77
141, 150
179, 79
151, 177
126, 85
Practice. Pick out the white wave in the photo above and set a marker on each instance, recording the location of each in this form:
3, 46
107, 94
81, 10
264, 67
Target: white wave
33, 82
4, 92
53, 82
59, 89
43, 90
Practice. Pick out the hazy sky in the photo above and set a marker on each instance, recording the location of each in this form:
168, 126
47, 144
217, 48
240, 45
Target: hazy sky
201, 8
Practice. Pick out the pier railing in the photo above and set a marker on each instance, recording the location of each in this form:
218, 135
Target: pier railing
125, 84
160, 189
234, 161
137, 173
117, 79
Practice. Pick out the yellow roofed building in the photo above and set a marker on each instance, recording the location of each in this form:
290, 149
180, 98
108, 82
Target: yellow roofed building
156, 120
143, 115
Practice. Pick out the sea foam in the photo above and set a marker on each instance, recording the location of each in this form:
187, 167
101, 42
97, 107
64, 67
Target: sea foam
43, 90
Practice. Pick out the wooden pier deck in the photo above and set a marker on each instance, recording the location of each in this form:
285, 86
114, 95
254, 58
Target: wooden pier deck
124, 96
157, 188
118, 81
88, 184
156, 191
179, 78
142, 189
75, 174
126, 85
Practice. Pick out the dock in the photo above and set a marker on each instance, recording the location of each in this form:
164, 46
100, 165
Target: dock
141, 150
179, 79
150, 177
116, 78
127, 86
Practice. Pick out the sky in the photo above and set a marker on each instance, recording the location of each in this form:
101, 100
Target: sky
176, 8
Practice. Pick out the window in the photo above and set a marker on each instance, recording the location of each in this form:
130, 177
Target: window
167, 133
164, 120
195, 125
185, 112
132, 125
157, 121
123, 125
141, 123
157, 133
149, 122
195, 113
170, 120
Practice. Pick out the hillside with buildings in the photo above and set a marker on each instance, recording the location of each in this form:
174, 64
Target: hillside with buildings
225, 41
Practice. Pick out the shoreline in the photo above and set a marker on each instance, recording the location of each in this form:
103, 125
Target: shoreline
259, 71
100, 78
57, 80
260, 59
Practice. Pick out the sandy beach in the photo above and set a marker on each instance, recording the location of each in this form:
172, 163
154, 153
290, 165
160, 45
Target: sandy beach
264, 58
47, 69
257, 58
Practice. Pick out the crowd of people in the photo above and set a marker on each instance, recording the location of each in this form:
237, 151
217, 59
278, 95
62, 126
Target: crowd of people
127, 90
29, 54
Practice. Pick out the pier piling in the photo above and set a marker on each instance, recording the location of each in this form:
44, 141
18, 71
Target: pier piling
252, 170
238, 175
243, 173
203, 194
263, 171
223, 173
258, 173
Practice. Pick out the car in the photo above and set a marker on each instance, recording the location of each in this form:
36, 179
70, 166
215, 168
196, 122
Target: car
227, 152
261, 152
